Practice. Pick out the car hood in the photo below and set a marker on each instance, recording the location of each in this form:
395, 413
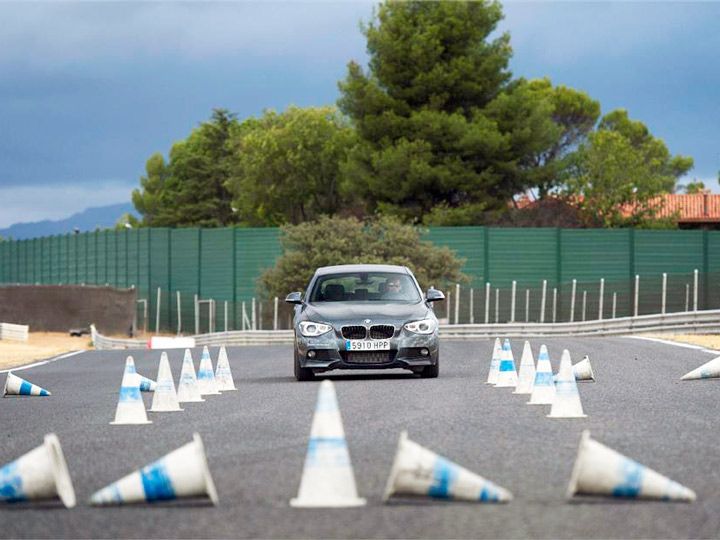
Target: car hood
377, 312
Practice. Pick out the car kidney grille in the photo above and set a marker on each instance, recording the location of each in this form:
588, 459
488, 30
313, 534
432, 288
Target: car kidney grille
368, 357
354, 332
382, 331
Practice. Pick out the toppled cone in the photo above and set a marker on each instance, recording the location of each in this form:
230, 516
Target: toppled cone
600, 470
40, 474
181, 473
709, 370
17, 386
420, 472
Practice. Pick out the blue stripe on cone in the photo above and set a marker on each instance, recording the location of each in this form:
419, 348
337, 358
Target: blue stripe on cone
507, 365
11, 488
25, 389
444, 475
632, 479
130, 393
543, 378
157, 483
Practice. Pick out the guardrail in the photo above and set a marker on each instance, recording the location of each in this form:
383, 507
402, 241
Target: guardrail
689, 322
14, 332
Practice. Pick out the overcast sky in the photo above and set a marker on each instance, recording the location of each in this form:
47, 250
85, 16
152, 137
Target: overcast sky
88, 91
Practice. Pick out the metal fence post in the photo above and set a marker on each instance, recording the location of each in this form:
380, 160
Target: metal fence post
197, 314
542, 301
695, 289
527, 305
583, 305
664, 293
157, 313
275, 313
614, 303
179, 313
487, 303
602, 298
259, 315
225, 315
448, 307
254, 320
554, 304
687, 297
572, 300
472, 307
512, 301
637, 294
457, 302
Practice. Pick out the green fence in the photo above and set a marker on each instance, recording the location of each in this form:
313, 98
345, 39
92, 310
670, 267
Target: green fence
223, 265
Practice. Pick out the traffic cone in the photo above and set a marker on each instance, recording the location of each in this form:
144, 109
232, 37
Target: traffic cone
188, 389
543, 388
181, 473
567, 400
165, 398
583, 370
130, 407
421, 472
494, 363
205, 376
39, 474
16, 386
709, 370
507, 376
223, 375
600, 470
526, 377
146, 385
327, 480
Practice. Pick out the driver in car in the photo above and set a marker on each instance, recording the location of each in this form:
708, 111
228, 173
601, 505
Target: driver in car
393, 288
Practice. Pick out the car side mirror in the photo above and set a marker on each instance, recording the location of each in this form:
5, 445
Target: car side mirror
294, 298
433, 295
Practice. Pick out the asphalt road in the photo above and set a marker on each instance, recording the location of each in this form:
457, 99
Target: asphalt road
256, 440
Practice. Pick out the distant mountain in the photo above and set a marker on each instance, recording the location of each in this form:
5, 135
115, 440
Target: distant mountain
87, 220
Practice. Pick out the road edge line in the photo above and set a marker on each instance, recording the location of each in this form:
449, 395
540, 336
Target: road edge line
43, 362
677, 344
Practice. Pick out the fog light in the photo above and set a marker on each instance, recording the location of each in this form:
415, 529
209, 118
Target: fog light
311, 354
424, 352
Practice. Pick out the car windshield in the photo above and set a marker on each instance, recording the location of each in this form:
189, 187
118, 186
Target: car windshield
365, 287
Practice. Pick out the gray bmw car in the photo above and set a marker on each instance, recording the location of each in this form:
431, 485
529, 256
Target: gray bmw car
365, 316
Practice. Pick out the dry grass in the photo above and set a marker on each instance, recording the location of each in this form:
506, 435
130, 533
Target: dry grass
39, 346
710, 341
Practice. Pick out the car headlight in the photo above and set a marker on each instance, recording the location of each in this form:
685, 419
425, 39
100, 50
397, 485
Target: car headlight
313, 329
426, 326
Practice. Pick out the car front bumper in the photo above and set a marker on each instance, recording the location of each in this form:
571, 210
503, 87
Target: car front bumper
406, 352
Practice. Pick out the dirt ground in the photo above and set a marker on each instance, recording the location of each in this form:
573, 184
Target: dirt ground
711, 341
39, 346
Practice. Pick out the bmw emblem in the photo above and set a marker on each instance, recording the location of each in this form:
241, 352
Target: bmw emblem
367, 321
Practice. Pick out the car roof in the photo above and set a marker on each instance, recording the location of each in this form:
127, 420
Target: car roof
343, 268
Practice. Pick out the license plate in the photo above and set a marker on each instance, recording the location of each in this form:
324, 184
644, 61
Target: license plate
367, 345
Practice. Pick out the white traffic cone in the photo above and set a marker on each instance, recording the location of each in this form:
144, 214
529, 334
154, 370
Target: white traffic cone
181, 473
40, 474
583, 370
543, 388
507, 376
130, 407
205, 376
494, 362
223, 375
709, 370
165, 398
188, 389
17, 386
526, 377
567, 400
421, 472
327, 479
600, 470
146, 385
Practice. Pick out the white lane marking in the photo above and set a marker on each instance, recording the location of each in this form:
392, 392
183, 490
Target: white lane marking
36, 364
677, 344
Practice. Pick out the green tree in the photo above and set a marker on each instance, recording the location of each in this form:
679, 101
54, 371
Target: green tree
286, 167
696, 186
330, 241
421, 111
189, 190
617, 175
127, 221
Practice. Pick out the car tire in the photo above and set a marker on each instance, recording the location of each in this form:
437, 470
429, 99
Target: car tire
431, 372
301, 373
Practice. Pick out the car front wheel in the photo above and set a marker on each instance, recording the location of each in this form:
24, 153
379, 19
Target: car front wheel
301, 373
431, 372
